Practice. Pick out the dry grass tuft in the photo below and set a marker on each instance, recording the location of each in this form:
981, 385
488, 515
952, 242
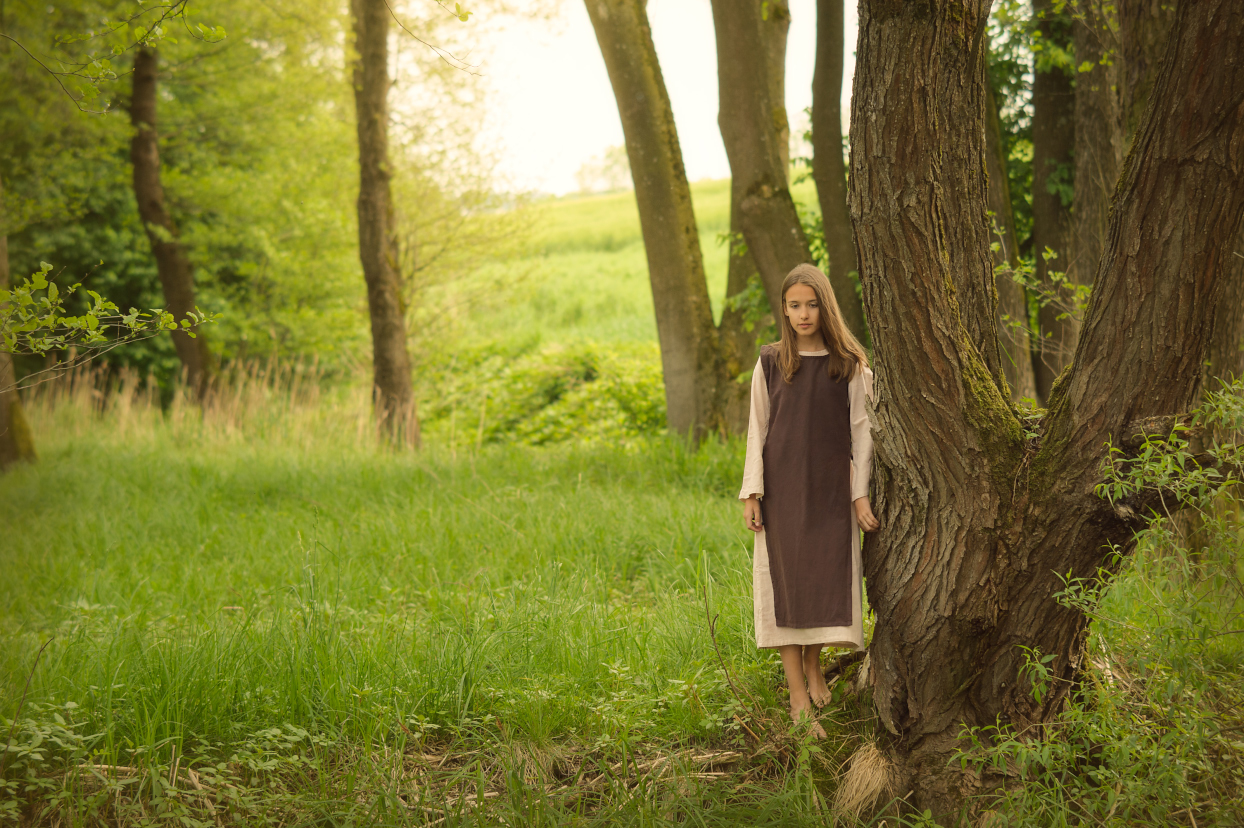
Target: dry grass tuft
869, 776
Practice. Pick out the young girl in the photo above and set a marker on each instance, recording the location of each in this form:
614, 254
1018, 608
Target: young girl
805, 486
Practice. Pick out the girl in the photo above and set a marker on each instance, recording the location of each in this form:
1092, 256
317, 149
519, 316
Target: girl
809, 457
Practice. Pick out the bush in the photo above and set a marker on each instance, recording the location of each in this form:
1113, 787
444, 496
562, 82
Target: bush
536, 396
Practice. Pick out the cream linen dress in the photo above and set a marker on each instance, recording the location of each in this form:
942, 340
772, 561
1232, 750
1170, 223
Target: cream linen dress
768, 633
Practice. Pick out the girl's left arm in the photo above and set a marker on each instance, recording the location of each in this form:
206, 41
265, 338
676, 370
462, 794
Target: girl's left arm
861, 386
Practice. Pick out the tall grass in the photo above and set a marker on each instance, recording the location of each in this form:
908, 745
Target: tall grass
256, 587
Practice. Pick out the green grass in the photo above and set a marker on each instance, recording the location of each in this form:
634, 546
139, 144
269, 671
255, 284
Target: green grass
203, 582
325, 632
587, 277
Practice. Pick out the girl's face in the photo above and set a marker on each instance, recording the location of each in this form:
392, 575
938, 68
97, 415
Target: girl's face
803, 310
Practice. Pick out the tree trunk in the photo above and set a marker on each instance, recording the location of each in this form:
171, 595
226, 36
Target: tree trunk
391, 384
774, 28
695, 379
1053, 144
1225, 357
1012, 316
1144, 28
16, 442
173, 266
1099, 136
738, 343
979, 522
746, 116
828, 169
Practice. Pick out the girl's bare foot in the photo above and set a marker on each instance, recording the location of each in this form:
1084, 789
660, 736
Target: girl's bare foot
804, 717
818, 690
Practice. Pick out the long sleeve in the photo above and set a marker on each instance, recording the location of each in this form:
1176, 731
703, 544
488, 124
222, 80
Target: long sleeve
861, 435
757, 430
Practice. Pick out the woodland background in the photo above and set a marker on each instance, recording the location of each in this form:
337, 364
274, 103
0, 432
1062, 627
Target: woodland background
236, 591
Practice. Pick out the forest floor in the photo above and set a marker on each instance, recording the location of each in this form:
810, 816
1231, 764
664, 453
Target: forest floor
252, 615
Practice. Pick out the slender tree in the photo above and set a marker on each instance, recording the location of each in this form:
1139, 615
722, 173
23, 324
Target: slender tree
696, 373
1053, 146
747, 118
392, 390
741, 266
16, 443
828, 169
172, 263
1099, 135
980, 523
1012, 316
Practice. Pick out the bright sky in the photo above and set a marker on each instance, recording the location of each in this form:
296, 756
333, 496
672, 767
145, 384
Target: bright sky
553, 108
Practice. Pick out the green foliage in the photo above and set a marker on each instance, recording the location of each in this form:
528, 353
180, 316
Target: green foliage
582, 392
1151, 735
1067, 298
33, 320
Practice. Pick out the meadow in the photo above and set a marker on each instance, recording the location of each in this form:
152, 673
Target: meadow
251, 614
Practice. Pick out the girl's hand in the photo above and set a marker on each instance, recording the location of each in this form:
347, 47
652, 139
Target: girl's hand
751, 514
864, 515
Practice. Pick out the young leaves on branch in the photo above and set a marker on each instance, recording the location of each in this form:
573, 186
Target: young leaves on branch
33, 320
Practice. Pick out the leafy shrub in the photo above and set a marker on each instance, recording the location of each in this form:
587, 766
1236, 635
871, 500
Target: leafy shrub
547, 395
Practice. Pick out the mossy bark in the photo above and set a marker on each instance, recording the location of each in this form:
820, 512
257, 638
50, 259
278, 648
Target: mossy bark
980, 519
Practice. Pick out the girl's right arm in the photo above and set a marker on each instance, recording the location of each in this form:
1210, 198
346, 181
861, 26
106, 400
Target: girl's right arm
753, 467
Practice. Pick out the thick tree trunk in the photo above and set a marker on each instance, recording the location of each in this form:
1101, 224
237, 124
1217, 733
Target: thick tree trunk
1099, 137
16, 442
1053, 145
1224, 359
746, 116
696, 382
1012, 316
828, 169
173, 266
391, 384
978, 522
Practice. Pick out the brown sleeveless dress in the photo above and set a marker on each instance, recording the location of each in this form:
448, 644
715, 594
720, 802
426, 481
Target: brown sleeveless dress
807, 501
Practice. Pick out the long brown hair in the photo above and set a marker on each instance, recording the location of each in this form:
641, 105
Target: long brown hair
846, 355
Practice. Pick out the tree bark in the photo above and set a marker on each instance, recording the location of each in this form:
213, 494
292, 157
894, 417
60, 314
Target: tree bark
1225, 357
738, 343
979, 521
770, 223
1012, 316
1099, 137
1053, 145
16, 442
1144, 28
828, 169
691, 353
392, 390
172, 264
774, 28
